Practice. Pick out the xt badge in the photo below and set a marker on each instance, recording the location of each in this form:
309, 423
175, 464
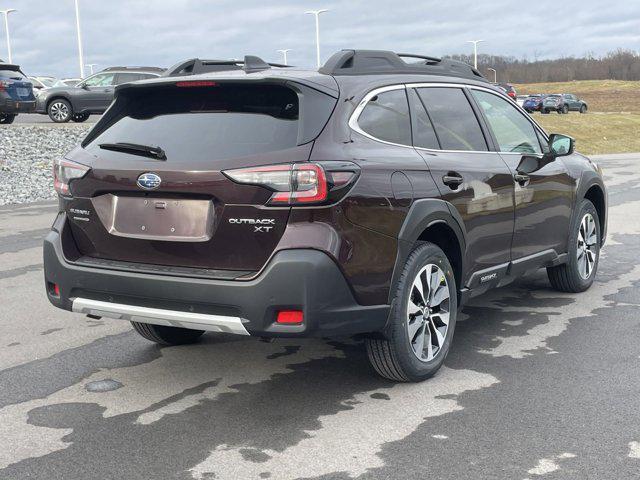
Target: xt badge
263, 225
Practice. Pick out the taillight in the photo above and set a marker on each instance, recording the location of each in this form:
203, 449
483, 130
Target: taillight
3, 86
64, 171
293, 184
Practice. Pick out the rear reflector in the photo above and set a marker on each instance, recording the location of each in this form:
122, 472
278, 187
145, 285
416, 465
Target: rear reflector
196, 83
290, 316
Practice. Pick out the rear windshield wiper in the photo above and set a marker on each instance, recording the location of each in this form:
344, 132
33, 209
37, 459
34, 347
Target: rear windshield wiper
135, 149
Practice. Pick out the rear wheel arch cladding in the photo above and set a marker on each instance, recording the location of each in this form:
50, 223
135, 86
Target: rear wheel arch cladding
426, 214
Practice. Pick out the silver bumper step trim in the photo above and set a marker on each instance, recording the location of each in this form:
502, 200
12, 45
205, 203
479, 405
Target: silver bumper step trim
158, 316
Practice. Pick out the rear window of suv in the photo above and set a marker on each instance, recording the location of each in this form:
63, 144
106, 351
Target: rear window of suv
212, 122
11, 74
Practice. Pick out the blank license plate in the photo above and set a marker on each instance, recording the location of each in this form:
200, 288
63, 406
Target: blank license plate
165, 219
23, 92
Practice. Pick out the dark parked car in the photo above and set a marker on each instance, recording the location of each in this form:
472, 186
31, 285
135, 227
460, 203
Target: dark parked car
554, 102
92, 95
574, 103
533, 103
16, 93
373, 197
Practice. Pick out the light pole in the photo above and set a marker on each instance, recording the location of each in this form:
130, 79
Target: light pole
475, 51
495, 74
284, 54
317, 13
6, 27
79, 40
91, 65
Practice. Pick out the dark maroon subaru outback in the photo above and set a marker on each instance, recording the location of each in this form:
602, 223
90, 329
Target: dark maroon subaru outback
374, 196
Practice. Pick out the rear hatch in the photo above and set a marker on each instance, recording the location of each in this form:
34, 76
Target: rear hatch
14, 84
156, 193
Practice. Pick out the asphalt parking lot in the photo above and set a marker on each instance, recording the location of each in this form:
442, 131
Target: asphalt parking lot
538, 384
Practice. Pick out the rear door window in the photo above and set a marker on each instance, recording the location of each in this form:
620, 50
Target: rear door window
424, 135
127, 77
453, 118
386, 117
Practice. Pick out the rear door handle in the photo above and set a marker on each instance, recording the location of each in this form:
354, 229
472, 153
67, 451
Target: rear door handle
452, 180
522, 179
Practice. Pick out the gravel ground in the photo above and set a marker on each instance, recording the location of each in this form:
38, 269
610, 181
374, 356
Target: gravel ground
26, 156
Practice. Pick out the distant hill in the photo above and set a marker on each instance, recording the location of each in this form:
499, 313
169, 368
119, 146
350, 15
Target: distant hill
618, 65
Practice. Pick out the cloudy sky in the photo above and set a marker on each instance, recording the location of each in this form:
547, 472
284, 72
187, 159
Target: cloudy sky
161, 32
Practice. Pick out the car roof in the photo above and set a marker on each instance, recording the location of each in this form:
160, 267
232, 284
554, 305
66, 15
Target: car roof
154, 70
354, 69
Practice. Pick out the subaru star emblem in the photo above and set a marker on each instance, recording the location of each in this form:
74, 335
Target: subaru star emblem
149, 181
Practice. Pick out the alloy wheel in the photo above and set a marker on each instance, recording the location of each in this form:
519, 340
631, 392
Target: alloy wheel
587, 251
428, 310
59, 111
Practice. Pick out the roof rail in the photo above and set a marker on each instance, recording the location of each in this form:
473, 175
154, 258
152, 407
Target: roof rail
194, 66
143, 69
372, 62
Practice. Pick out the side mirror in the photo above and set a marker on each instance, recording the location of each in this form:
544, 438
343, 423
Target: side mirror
561, 145
84, 86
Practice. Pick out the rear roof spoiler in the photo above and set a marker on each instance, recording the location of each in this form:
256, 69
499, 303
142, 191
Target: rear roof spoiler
9, 66
195, 66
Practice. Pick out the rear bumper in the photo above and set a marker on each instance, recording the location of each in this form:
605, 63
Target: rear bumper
297, 279
13, 107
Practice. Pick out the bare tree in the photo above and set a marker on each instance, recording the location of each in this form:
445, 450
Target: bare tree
617, 65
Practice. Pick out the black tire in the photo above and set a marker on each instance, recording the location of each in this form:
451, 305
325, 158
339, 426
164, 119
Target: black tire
567, 277
544, 111
7, 119
393, 357
565, 109
80, 117
60, 110
583, 109
164, 335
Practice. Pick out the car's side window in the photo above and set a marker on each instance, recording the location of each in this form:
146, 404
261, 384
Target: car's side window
127, 77
424, 135
453, 118
103, 80
513, 132
386, 117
